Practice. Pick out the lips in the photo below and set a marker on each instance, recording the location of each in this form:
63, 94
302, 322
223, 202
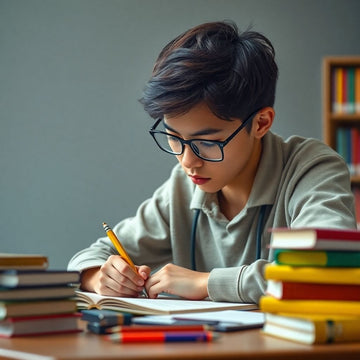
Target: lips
198, 180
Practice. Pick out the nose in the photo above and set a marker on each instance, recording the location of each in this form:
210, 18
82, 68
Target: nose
188, 159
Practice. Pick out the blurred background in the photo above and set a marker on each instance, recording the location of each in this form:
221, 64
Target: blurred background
74, 144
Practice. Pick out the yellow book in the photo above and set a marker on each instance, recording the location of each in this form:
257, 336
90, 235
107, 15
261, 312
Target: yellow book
270, 304
313, 328
339, 94
23, 261
326, 275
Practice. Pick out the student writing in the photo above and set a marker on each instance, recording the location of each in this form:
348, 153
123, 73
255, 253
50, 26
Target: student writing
211, 97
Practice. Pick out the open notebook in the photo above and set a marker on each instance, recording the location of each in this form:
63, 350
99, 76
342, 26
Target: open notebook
161, 306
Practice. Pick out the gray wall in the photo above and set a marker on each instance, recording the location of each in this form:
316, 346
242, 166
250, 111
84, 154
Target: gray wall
74, 147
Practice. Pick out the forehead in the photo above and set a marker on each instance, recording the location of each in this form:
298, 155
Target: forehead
198, 119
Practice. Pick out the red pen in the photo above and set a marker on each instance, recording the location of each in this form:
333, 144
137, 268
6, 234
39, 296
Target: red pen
153, 328
162, 336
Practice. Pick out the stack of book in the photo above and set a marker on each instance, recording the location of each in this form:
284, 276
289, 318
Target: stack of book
313, 286
35, 300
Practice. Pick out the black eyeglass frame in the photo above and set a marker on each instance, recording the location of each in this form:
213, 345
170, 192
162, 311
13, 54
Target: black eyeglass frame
183, 142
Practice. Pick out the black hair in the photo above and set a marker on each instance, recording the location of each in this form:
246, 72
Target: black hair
233, 72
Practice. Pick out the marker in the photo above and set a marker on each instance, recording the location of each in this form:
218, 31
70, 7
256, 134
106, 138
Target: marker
155, 328
162, 336
116, 242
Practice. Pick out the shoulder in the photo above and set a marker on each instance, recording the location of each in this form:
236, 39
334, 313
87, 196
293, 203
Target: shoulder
301, 151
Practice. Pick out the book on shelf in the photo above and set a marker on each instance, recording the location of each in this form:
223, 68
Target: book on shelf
39, 325
23, 261
345, 87
317, 258
269, 304
348, 146
158, 306
34, 293
289, 290
36, 307
313, 328
316, 238
357, 89
356, 192
321, 275
22, 278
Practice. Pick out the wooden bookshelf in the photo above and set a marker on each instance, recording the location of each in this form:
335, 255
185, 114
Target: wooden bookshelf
341, 114
336, 115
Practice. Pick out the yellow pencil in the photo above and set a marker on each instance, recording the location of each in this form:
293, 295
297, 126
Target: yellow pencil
120, 248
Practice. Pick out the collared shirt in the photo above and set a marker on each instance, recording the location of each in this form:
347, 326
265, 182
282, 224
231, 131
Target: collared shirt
302, 182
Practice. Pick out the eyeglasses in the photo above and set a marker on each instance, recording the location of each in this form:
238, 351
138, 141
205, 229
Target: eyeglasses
209, 150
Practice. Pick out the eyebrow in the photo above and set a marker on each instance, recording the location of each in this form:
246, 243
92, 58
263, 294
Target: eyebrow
207, 131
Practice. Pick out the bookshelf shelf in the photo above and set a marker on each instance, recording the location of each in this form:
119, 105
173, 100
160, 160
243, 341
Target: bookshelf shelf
341, 113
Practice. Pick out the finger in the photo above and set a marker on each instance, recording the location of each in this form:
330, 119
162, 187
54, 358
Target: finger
113, 275
144, 271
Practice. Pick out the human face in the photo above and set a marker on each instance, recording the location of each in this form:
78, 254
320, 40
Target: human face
201, 123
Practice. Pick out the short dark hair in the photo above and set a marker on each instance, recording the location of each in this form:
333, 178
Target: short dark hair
233, 72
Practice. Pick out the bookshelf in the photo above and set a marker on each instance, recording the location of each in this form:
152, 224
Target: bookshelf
341, 113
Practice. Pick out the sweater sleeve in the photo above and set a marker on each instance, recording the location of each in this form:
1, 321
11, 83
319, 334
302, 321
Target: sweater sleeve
245, 283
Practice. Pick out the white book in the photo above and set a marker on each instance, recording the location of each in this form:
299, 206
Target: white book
160, 306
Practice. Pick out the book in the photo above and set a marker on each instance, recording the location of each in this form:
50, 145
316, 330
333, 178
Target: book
357, 89
313, 328
23, 261
158, 306
269, 304
27, 308
317, 258
32, 293
39, 325
312, 238
106, 317
288, 290
23, 278
325, 275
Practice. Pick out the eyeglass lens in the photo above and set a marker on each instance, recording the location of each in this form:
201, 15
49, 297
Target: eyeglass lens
205, 149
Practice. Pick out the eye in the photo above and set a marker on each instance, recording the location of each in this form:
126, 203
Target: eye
207, 144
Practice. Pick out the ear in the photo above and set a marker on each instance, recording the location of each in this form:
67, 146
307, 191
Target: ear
263, 122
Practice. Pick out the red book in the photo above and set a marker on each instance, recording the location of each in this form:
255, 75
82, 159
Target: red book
316, 238
287, 290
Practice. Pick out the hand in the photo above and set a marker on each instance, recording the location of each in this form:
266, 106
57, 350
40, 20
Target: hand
115, 278
177, 280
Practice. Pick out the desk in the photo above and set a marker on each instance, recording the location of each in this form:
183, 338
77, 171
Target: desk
249, 344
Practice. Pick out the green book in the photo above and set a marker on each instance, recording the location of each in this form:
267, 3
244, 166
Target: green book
317, 258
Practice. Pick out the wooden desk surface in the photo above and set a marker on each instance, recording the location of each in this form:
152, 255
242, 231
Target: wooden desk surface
249, 344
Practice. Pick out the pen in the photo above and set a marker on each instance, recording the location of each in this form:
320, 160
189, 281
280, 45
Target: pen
120, 248
162, 336
152, 328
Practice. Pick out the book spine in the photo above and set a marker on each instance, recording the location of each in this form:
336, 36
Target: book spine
350, 90
357, 90
313, 291
332, 331
272, 305
310, 274
317, 258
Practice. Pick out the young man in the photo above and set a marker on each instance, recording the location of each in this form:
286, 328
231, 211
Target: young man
212, 93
